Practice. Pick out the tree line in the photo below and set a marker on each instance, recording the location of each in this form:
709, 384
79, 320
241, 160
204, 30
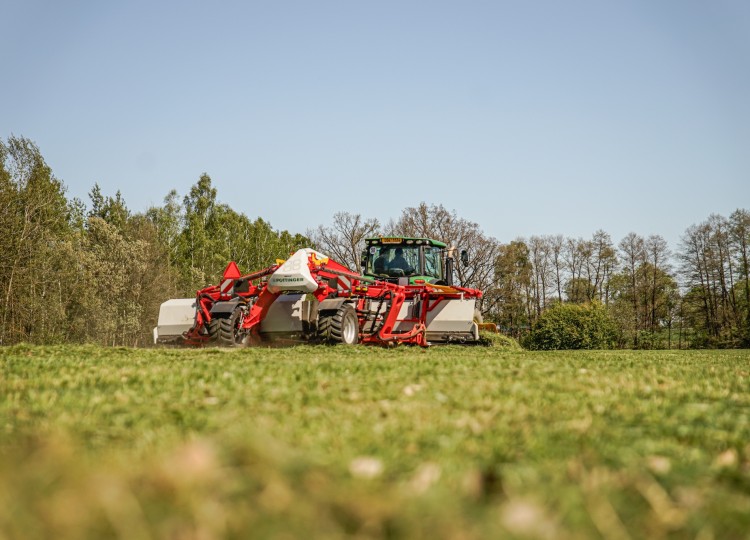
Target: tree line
97, 272
94, 271
638, 292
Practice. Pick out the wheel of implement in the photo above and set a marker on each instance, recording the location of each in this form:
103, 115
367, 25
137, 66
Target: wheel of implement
229, 334
213, 330
339, 326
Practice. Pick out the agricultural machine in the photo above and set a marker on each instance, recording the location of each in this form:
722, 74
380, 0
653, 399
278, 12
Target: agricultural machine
405, 294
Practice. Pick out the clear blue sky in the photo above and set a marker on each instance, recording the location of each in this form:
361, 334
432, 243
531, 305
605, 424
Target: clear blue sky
527, 117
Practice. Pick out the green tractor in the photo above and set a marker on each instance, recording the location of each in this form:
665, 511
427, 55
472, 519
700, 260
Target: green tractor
411, 260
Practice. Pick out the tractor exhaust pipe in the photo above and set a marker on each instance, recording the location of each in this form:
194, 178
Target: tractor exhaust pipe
449, 264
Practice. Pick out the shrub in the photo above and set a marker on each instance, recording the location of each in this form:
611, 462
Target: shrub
572, 326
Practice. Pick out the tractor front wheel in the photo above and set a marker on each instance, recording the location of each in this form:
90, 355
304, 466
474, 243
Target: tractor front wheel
339, 326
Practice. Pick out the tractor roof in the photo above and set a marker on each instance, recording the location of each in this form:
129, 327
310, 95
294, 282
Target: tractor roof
403, 240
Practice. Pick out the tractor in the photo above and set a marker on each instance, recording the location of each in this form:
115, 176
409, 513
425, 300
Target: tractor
404, 295
421, 260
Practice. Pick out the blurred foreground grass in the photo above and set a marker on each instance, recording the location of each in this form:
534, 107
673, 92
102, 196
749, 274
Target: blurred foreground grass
336, 442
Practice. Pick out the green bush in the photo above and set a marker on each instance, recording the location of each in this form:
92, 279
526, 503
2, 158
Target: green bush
572, 326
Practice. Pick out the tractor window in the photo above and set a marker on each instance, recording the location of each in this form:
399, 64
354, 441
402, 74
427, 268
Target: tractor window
433, 262
406, 259
377, 262
393, 261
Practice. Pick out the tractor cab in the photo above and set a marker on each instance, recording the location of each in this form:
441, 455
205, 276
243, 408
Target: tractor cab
418, 259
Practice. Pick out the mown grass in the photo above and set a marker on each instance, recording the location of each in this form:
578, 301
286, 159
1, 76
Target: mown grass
335, 442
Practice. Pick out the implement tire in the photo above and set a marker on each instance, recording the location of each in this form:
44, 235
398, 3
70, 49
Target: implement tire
228, 334
213, 330
339, 326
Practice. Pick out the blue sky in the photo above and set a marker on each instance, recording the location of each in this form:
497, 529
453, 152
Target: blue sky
527, 117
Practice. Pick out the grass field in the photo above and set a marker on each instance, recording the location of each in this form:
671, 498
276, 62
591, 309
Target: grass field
321, 442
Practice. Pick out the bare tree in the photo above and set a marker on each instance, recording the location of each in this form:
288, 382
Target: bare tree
539, 251
740, 239
713, 262
556, 245
574, 257
437, 222
633, 252
696, 276
603, 262
725, 271
344, 239
657, 254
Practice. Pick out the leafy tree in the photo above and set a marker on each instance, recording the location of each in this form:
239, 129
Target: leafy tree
112, 265
213, 234
201, 253
739, 237
34, 216
167, 222
69, 273
253, 244
644, 290
511, 294
713, 264
113, 210
125, 271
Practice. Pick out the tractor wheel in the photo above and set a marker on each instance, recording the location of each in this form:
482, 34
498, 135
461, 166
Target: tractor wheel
339, 326
229, 334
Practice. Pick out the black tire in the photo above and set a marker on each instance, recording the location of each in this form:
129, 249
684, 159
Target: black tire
228, 334
213, 330
339, 326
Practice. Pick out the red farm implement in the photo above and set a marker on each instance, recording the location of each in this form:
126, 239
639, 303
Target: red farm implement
311, 298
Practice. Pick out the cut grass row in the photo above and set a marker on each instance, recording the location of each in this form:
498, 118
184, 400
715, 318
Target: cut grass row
334, 442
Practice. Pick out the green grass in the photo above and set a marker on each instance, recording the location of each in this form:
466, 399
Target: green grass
335, 442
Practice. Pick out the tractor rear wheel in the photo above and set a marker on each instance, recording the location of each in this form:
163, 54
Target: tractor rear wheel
339, 326
229, 333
